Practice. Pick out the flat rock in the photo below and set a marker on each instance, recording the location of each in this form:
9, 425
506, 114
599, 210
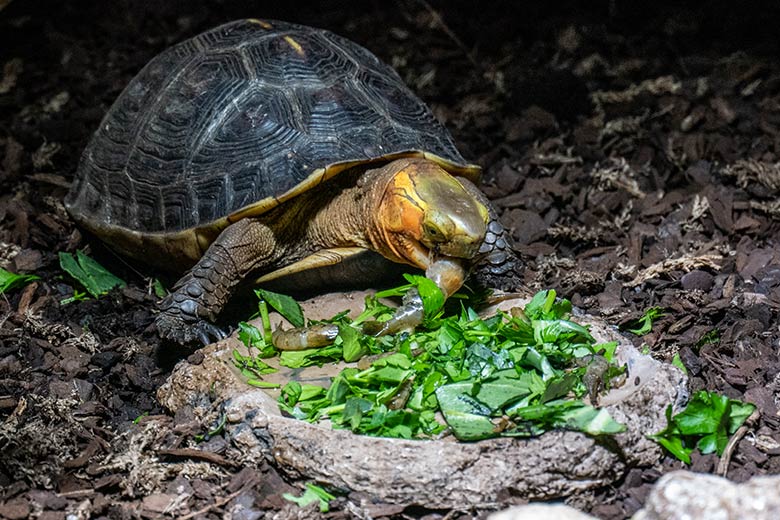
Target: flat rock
682, 495
697, 279
158, 502
15, 509
556, 464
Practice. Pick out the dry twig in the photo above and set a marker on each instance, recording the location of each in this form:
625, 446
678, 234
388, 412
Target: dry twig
723, 464
192, 453
749, 170
219, 503
686, 263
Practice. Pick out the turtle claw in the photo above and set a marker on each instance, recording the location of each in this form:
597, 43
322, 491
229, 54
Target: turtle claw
182, 320
186, 330
209, 333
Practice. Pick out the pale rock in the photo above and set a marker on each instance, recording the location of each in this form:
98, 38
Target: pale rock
541, 512
684, 495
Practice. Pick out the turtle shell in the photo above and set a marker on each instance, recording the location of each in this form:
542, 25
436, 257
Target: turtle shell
235, 121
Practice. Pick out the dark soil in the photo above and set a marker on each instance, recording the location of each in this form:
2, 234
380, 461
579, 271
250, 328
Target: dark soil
633, 153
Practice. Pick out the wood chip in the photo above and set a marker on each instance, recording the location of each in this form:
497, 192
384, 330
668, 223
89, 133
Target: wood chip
193, 453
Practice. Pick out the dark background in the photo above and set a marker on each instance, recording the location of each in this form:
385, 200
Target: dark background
515, 82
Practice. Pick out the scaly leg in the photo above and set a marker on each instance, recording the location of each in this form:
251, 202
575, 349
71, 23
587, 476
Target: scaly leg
187, 314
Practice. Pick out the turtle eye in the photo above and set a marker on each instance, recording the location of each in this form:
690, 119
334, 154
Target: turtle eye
432, 231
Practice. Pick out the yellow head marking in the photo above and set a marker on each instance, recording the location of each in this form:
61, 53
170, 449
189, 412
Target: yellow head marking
295, 45
261, 23
427, 213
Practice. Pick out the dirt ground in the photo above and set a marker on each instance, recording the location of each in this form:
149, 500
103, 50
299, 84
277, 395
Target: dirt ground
633, 153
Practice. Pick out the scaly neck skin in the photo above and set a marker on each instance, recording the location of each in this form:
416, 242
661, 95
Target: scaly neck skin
338, 213
348, 211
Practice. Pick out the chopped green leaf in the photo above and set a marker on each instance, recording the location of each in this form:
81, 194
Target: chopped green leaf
559, 386
312, 494
551, 331
216, 429
95, 278
251, 366
505, 387
608, 348
570, 415
291, 393
468, 419
539, 305
354, 343
512, 376
646, 321
710, 337
706, 423
259, 383
158, 288
353, 412
78, 296
251, 336
138, 419
9, 280
284, 305
545, 306
676, 361
432, 297
305, 358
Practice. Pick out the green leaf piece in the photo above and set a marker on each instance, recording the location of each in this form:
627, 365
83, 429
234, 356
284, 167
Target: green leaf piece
95, 278
251, 366
608, 349
284, 305
706, 424
9, 280
504, 375
312, 494
677, 361
354, 344
569, 415
259, 383
468, 419
646, 321
432, 297
159, 289
312, 357
253, 338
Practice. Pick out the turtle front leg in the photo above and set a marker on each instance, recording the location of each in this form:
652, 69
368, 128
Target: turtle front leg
498, 266
187, 314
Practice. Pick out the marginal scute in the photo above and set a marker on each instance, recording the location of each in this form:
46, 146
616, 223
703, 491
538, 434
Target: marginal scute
235, 121
261, 23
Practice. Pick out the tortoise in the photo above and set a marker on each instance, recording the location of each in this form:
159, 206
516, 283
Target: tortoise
261, 149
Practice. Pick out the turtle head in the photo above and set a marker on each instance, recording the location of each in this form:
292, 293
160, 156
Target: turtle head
426, 214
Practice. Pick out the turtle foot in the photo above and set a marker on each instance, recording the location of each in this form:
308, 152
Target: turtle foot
187, 330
